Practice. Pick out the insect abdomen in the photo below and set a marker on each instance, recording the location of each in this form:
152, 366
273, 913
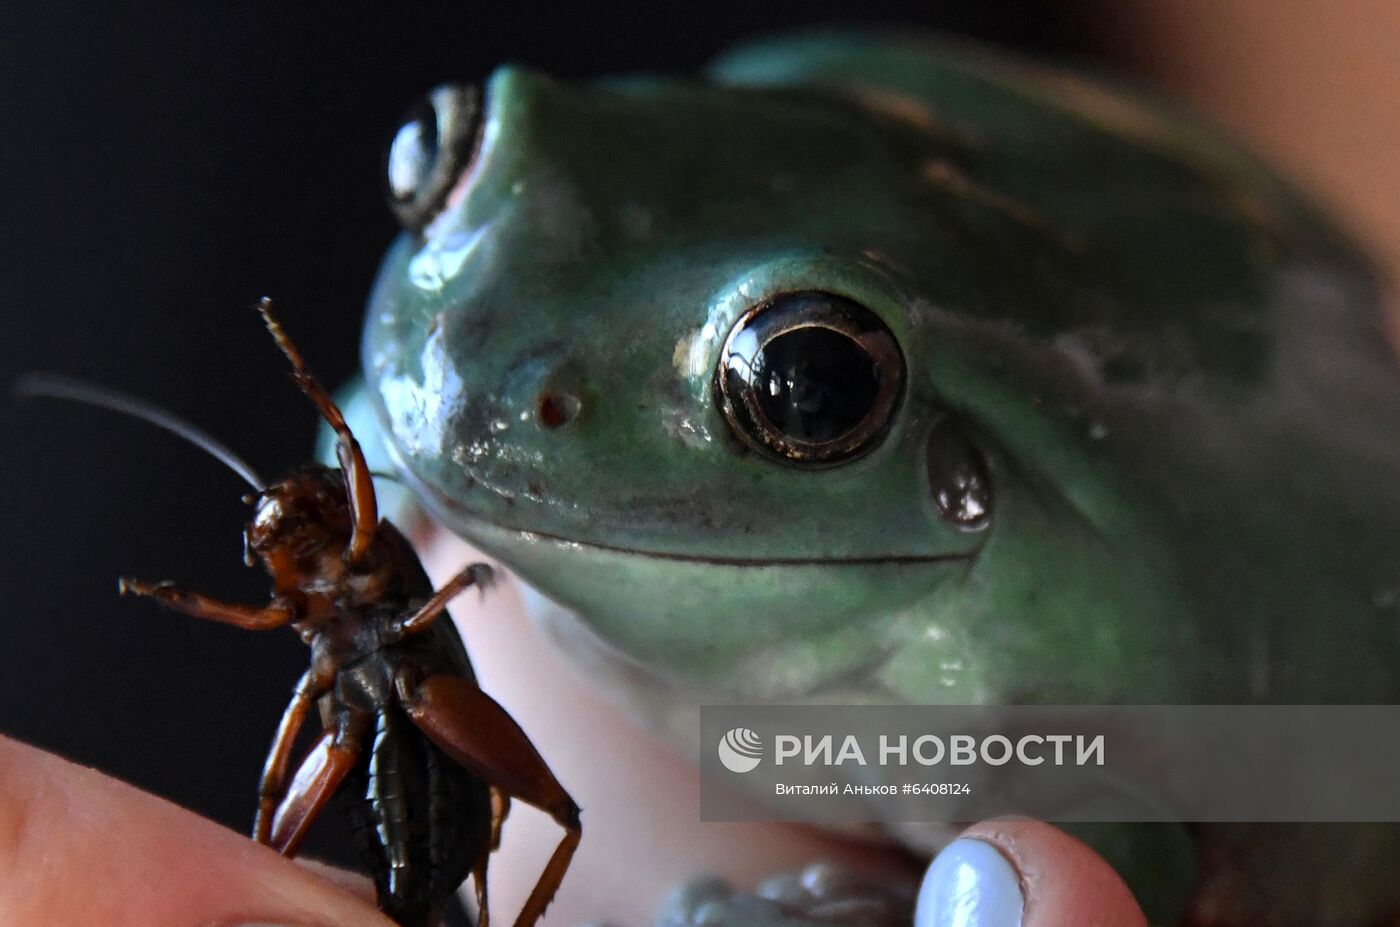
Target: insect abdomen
424, 818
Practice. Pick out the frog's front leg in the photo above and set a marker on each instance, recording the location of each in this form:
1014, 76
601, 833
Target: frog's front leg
820, 894
997, 874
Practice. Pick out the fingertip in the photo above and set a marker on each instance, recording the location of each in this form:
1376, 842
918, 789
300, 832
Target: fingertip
970, 883
1026, 873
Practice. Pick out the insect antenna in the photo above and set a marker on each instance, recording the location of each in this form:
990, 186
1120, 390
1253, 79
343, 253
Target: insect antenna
53, 386
359, 486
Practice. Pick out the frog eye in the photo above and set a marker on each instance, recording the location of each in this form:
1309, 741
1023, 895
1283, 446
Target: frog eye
811, 378
436, 141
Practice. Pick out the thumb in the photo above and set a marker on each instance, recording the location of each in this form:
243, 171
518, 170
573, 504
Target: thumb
77, 847
1022, 874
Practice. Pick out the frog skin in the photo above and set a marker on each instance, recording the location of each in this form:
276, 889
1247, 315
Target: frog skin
1141, 446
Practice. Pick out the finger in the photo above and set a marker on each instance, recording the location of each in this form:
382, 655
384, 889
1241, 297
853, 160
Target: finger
1313, 90
77, 847
356, 884
1026, 873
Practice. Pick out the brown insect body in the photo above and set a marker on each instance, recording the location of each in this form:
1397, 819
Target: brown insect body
424, 820
426, 762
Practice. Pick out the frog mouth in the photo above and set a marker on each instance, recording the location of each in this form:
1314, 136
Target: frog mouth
528, 534
493, 534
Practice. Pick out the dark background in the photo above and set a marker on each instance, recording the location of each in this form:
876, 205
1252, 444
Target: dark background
163, 168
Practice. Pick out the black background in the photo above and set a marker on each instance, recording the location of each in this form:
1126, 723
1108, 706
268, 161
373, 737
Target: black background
163, 166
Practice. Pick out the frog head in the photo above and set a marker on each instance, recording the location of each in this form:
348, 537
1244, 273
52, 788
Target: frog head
816, 376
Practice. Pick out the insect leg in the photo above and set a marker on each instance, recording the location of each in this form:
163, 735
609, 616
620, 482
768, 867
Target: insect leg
272, 787
173, 595
500, 808
552, 875
483, 908
477, 574
474, 730
320, 774
359, 484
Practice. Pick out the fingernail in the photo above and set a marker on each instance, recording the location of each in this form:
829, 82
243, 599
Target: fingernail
969, 884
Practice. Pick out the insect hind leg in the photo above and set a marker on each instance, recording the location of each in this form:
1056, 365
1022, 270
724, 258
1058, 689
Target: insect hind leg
475, 731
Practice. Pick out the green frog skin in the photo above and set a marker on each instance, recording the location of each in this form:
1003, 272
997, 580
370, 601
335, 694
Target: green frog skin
1127, 425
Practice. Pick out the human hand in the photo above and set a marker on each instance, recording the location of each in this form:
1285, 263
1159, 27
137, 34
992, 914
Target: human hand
77, 847
642, 833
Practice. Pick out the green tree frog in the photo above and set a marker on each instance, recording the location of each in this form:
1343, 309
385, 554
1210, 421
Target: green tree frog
863, 369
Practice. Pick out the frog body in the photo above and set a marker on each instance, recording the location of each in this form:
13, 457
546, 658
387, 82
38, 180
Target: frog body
1161, 377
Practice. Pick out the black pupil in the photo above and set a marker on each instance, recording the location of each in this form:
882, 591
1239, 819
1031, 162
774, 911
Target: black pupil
815, 384
413, 152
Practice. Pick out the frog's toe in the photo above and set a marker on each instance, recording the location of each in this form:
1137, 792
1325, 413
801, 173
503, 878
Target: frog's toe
821, 894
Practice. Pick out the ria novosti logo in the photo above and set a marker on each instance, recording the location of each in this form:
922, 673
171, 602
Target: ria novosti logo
740, 750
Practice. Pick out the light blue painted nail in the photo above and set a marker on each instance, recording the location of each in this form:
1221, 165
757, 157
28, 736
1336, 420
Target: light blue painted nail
969, 884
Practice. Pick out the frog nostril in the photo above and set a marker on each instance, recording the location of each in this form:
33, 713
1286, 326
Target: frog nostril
556, 409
